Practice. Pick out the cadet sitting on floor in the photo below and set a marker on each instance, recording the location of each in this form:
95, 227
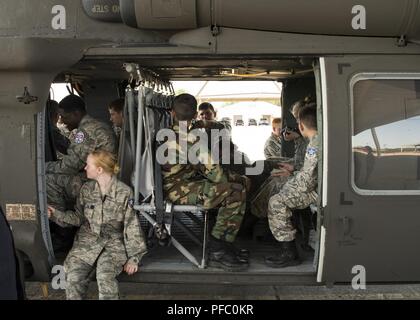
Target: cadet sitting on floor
109, 239
297, 193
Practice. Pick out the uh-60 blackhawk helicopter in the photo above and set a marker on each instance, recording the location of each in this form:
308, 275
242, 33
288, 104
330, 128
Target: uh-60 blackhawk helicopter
360, 59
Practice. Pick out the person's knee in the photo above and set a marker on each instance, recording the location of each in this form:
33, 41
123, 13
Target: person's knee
76, 270
106, 272
105, 277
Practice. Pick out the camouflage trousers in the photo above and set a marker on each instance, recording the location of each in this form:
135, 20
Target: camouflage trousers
62, 188
280, 212
259, 204
79, 274
229, 197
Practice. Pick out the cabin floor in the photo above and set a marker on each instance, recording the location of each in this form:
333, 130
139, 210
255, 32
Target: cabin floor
168, 265
170, 259
165, 264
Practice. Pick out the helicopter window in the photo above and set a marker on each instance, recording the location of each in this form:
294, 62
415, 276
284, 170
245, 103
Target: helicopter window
386, 135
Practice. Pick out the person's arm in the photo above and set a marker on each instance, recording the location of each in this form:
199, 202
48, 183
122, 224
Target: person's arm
209, 167
291, 135
214, 173
284, 170
300, 152
134, 241
69, 218
267, 149
272, 148
74, 160
61, 142
305, 179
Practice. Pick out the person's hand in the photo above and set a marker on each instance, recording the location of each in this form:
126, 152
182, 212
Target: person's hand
50, 211
131, 268
290, 135
281, 173
286, 166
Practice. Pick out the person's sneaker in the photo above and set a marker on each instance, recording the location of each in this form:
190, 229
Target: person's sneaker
286, 257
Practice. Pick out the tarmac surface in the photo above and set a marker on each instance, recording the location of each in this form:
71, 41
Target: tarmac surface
136, 291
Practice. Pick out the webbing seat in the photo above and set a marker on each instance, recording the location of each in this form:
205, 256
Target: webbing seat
152, 111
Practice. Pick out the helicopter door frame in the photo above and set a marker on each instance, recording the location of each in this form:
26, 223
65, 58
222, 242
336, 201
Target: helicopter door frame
322, 115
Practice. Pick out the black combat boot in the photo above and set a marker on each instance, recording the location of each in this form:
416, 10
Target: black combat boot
222, 256
241, 253
287, 256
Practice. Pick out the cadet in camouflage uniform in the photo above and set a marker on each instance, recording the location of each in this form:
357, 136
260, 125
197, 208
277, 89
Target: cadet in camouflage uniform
300, 142
206, 119
297, 193
274, 184
65, 177
204, 184
206, 112
272, 147
110, 238
116, 113
60, 141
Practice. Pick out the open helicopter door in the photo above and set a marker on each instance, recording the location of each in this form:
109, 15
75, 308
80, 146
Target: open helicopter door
370, 170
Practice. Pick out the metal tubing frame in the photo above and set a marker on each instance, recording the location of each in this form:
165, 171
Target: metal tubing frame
139, 144
130, 109
146, 208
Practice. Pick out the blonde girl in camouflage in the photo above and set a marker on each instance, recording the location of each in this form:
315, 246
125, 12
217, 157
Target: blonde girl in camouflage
110, 239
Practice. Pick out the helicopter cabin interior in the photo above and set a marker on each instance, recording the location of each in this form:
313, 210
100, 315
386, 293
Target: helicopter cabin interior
359, 61
100, 81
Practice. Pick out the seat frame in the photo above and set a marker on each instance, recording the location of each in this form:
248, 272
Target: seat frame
150, 211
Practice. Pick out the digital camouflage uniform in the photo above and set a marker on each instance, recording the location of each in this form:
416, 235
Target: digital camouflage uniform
273, 185
272, 147
300, 149
297, 193
272, 150
65, 177
61, 142
204, 184
259, 204
109, 236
